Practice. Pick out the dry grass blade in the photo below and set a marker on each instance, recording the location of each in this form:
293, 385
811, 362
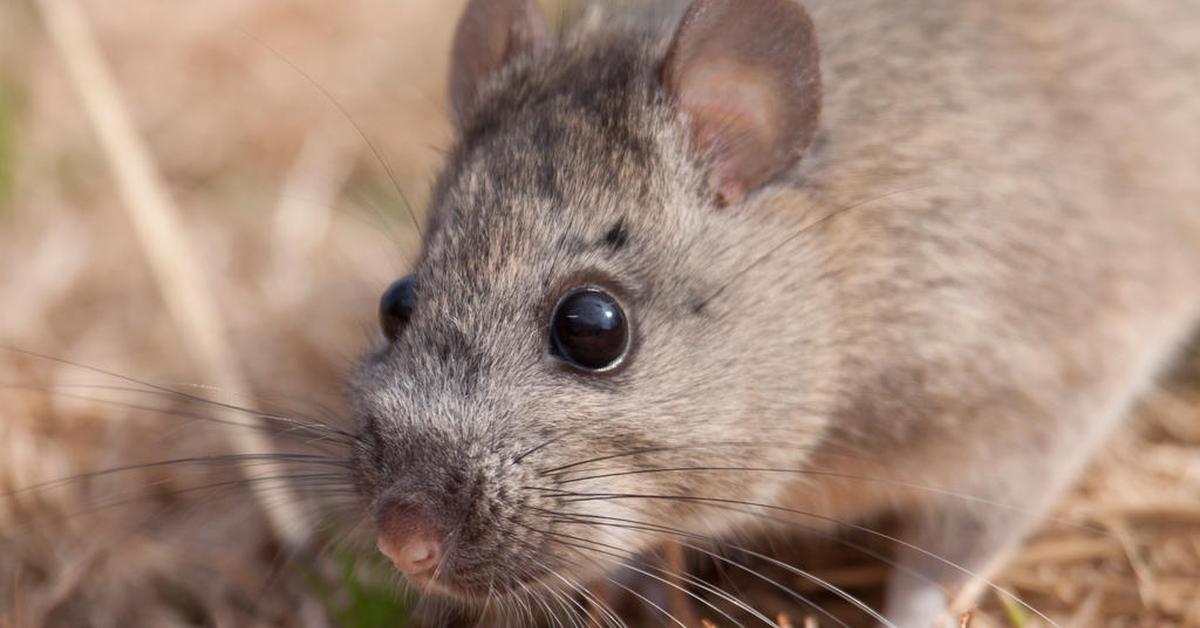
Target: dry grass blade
303, 216
162, 237
233, 99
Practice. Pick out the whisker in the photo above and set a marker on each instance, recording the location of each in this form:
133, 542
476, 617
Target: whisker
319, 433
606, 613
631, 563
164, 389
672, 448
487, 603
634, 593
772, 507
598, 603
646, 600
517, 459
803, 230
331, 418
526, 608
544, 569
633, 524
251, 484
378, 154
634, 452
451, 545
546, 605
220, 458
570, 606
966, 497
828, 536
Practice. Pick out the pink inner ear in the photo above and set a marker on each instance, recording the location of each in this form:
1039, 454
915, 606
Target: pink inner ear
745, 74
734, 114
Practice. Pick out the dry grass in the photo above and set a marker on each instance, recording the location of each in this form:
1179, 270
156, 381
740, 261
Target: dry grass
298, 228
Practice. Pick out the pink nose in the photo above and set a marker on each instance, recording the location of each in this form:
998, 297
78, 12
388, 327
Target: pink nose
408, 538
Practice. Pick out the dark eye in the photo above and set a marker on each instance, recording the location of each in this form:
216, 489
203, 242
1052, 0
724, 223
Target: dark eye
589, 330
396, 306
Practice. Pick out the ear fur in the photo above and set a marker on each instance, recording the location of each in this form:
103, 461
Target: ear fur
745, 75
490, 34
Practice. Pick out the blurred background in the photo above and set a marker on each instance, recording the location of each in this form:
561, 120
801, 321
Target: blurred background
293, 135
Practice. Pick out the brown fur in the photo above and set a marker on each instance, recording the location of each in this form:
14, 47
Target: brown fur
988, 252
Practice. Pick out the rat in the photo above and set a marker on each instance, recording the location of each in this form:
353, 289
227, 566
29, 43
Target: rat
770, 263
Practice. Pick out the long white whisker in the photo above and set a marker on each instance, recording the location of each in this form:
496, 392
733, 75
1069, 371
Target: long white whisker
857, 527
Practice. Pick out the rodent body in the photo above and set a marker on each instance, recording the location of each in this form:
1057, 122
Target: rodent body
988, 248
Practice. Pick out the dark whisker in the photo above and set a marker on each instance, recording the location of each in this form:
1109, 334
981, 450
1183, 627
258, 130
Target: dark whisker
170, 391
517, 459
236, 459
317, 433
668, 448
312, 480
966, 497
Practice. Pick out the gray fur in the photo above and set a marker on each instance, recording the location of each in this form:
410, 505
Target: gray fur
1021, 258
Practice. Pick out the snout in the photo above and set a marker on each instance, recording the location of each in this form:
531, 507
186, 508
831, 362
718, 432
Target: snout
453, 523
411, 539
457, 517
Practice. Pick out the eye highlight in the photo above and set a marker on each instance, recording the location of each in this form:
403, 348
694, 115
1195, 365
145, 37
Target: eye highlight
396, 306
589, 330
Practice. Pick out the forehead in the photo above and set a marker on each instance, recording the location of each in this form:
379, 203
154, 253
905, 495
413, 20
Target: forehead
562, 157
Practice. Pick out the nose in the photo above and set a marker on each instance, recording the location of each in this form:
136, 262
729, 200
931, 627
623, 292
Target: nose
409, 539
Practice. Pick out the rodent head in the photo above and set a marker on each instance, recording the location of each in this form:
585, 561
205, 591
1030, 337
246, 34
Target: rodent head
561, 320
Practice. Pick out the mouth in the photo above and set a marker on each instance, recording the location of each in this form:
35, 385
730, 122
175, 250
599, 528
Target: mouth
444, 581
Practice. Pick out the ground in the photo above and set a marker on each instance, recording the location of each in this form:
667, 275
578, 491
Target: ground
258, 118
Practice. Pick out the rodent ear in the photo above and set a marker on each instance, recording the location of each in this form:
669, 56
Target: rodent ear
490, 34
746, 76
